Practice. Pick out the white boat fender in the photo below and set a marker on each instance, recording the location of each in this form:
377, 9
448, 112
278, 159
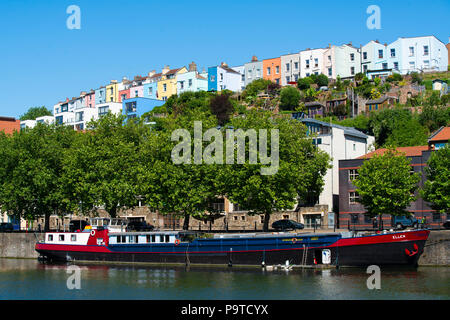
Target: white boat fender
92, 233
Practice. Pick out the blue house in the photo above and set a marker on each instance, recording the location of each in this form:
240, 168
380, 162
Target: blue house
136, 107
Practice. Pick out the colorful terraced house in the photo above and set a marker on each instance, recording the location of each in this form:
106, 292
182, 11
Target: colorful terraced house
167, 86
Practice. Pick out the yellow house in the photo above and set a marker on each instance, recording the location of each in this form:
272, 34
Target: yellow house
167, 86
112, 91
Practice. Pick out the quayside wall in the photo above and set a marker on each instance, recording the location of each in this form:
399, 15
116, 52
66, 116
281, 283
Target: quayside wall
21, 245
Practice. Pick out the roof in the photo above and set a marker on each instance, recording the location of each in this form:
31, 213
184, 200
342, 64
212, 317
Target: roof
228, 69
380, 100
2, 118
314, 104
408, 151
173, 71
442, 134
347, 130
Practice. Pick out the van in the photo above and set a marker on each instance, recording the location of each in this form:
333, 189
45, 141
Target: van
401, 222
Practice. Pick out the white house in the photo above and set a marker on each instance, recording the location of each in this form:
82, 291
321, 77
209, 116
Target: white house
417, 54
290, 68
340, 143
343, 61
253, 70
27, 124
311, 62
374, 60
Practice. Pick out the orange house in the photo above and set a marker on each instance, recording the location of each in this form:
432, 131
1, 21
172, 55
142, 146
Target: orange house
272, 70
9, 125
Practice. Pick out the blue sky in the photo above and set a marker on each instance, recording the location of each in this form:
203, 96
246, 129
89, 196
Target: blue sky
43, 62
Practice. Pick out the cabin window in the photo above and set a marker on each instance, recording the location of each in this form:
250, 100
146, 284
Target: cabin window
61, 237
153, 238
148, 238
235, 218
73, 237
121, 239
167, 238
161, 238
50, 237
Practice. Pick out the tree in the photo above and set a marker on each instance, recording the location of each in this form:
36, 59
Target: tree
103, 167
35, 112
304, 83
385, 184
299, 171
434, 117
32, 170
436, 190
289, 98
221, 106
255, 87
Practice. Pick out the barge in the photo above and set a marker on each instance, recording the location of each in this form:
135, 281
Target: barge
251, 249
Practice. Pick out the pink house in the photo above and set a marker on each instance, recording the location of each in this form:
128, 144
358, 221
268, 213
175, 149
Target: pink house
136, 91
124, 94
89, 99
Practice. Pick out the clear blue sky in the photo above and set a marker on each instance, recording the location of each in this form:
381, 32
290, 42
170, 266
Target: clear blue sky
42, 62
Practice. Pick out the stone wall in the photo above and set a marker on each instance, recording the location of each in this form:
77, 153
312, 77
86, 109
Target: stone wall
437, 249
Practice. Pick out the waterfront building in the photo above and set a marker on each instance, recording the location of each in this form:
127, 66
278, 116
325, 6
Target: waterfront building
253, 70
340, 143
343, 61
311, 62
417, 54
112, 91
290, 68
151, 85
100, 95
27, 124
167, 86
374, 60
192, 80
224, 78
8, 125
353, 214
136, 107
272, 70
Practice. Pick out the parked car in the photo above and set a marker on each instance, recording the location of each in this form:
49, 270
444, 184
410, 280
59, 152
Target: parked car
446, 224
139, 226
401, 222
6, 227
287, 225
75, 225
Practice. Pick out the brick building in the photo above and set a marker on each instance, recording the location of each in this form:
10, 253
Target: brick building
9, 125
353, 214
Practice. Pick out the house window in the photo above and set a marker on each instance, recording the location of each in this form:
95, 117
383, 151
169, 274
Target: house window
296, 77
426, 63
352, 57
396, 65
412, 65
365, 55
392, 53
307, 64
353, 197
249, 74
380, 54
221, 77
181, 84
352, 70
316, 62
268, 70
288, 79
330, 72
150, 91
296, 65
365, 68
425, 50
277, 69
287, 66
385, 65
411, 51
353, 174
136, 93
164, 87
190, 82
103, 111
277, 81
329, 58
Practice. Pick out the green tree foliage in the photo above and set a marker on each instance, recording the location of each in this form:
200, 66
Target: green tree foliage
32, 170
300, 171
397, 127
289, 98
35, 112
304, 83
434, 117
221, 106
255, 87
385, 184
436, 190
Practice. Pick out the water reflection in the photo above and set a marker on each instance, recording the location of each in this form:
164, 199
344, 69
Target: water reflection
28, 279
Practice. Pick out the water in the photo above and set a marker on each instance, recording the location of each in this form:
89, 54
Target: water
22, 279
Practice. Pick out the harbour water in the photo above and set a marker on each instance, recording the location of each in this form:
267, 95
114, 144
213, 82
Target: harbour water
27, 279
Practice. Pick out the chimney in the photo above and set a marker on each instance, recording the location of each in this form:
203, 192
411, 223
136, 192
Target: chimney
254, 59
192, 66
113, 81
152, 73
82, 93
124, 79
223, 64
165, 70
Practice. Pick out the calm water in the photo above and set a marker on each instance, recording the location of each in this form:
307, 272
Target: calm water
29, 280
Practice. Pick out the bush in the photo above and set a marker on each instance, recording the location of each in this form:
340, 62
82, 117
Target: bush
304, 83
289, 98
